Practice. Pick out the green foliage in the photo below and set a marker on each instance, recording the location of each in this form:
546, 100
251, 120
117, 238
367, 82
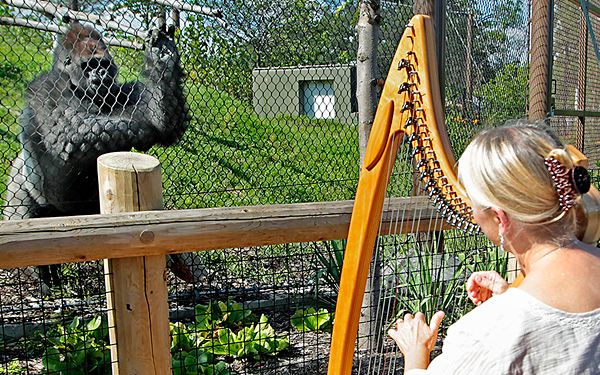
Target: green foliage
9, 71
253, 160
187, 356
79, 348
222, 329
222, 314
264, 33
254, 341
432, 281
426, 285
14, 368
309, 319
505, 96
329, 259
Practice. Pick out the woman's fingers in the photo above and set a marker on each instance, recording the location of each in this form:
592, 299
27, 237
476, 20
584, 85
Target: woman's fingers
482, 285
436, 320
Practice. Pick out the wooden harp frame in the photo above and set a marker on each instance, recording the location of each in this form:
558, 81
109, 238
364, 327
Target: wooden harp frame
410, 106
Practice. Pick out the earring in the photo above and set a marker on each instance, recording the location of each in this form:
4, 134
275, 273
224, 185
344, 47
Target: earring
501, 236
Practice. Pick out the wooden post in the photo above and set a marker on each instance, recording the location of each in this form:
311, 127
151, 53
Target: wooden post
136, 287
539, 65
580, 98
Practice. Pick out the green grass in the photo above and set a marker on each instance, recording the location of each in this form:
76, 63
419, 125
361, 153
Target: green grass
233, 157
20, 59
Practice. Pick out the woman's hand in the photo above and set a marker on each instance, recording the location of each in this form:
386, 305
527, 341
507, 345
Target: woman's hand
416, 339
484, 284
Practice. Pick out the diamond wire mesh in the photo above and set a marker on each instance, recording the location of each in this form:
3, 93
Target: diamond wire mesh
575, 68
252, 141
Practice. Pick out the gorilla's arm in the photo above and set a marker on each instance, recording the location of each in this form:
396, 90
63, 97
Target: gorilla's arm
167, 108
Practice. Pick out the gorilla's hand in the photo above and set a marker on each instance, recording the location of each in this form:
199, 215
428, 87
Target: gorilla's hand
162, 57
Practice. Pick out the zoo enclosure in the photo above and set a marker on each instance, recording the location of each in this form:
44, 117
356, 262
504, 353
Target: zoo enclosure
259, 161
134, 245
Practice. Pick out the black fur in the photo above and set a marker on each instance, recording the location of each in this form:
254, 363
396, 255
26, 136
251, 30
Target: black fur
78, 111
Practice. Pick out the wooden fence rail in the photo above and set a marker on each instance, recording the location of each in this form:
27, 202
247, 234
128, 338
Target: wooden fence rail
92, 237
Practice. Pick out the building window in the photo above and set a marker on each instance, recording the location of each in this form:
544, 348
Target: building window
318, 99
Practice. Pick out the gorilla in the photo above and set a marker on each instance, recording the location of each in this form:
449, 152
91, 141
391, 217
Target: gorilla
78, 111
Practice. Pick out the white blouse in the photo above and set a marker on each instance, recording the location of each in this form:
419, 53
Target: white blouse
515, 333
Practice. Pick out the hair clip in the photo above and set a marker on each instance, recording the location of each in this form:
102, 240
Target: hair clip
568, 183
581, 179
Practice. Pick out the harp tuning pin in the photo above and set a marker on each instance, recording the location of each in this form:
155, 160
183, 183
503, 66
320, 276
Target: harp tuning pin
405, 86
422, 163
406, 105
416, 151
409, 122
454, 219
404, 63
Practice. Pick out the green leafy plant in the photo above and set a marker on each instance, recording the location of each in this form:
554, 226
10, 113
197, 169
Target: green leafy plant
222, 329
187, 356
222, 314
329, 259
309, 319
79, 348
14, 368
431, 282
253, 341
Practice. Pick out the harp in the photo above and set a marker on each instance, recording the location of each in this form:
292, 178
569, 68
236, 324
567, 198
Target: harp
409, 110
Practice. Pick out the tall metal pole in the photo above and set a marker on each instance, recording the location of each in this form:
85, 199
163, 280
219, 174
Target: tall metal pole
468, 67
367, 30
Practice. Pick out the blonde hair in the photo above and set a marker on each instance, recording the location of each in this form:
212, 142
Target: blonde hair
504, 168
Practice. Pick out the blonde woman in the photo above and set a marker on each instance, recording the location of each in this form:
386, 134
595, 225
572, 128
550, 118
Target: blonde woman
524, 188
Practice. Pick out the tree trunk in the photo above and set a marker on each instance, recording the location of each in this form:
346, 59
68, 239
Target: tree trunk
366, 69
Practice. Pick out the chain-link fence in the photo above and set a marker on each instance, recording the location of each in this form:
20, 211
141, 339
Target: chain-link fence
575, 67
252, 104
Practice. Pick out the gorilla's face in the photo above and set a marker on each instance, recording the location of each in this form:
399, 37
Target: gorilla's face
96, 74
91, 69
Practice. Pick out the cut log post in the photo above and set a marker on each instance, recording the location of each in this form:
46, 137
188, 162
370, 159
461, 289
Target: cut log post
136, 287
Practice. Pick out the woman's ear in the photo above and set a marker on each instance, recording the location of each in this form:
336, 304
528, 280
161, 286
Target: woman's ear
502, 219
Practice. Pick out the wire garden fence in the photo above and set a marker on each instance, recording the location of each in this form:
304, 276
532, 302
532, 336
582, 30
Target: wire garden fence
244, 103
